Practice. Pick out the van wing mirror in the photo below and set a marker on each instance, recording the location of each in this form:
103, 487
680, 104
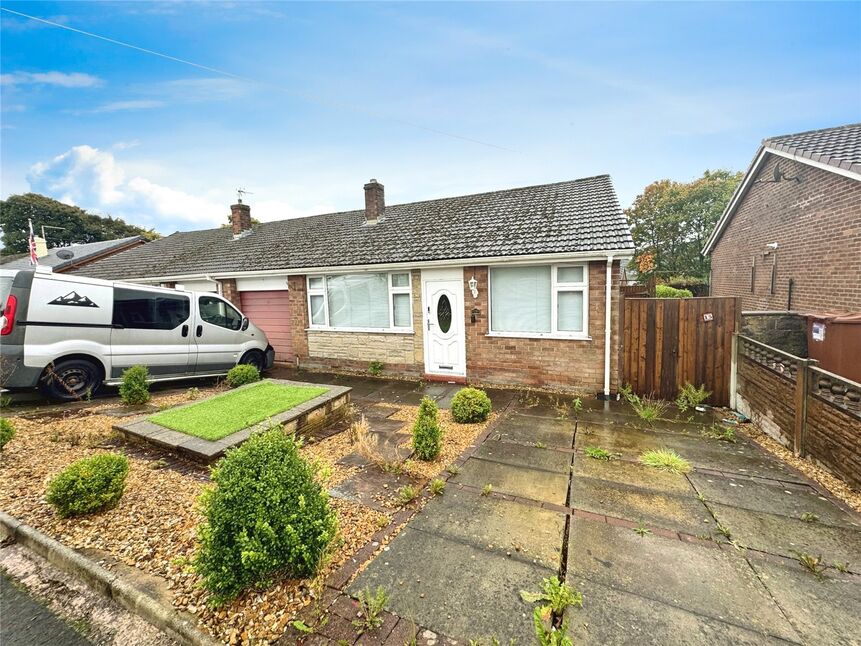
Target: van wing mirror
244, 323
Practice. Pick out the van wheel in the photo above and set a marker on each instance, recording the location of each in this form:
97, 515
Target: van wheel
71, 380
254, 358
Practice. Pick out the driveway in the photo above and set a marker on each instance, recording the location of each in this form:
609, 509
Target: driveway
719, 564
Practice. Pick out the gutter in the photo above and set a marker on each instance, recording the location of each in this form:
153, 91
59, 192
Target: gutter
607, 323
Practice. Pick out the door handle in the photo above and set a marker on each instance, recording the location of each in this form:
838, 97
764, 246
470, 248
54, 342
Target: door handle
199, 331
185, 330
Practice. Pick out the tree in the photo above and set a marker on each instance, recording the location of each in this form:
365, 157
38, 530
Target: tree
75, 225
670, 221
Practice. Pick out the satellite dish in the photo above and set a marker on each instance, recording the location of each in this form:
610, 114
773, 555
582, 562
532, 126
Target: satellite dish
65, 254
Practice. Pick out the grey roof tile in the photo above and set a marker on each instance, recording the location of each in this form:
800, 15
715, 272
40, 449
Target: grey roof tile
565, 217
80, 253
839, 147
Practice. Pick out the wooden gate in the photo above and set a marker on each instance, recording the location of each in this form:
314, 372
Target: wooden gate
670, 341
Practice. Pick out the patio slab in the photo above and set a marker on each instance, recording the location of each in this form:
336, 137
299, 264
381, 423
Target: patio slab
455, 588
631, 473
504, 527
372, 488
789, 536
525, 456
704, 580
533, 484
522, 429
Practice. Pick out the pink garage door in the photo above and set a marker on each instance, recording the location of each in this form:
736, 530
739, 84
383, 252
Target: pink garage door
269, 311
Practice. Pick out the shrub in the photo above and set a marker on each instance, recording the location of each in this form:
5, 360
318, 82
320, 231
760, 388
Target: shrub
375, 368
665, 291
242, 374
427, 435
470, 405
265, 514
88, 485
134, 389
690, 396
7, 432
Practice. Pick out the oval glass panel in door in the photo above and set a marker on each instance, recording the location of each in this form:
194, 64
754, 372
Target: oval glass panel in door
443, 313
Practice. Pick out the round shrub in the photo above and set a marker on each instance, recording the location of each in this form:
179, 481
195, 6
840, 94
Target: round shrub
665, 291
7, 432
265, 515
470, 405
134, 390
242, 374
427, 435
88, 485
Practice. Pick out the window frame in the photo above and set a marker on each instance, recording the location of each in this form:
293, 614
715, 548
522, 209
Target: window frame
154, 297
392, 290
555, 288
227, 305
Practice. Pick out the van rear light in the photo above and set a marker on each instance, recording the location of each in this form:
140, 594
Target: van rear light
9, 315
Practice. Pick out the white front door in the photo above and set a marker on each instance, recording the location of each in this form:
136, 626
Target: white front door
445, 339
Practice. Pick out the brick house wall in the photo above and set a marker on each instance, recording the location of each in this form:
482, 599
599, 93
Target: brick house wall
817, 225
230, 292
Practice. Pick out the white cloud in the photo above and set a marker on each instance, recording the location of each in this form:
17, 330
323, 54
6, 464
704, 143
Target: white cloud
120, 106
125, 145
59, 79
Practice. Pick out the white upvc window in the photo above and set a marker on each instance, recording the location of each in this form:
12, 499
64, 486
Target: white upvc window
367, 302
540, 301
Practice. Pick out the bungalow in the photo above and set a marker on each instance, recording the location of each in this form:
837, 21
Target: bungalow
66, 259
519, 286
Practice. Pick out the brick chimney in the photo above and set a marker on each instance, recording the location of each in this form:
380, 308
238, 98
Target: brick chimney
240, 219
375, 201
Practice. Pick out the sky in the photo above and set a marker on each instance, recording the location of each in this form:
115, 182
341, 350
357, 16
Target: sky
300, 104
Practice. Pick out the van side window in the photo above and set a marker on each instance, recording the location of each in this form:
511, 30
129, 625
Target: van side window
216, 311
142, 310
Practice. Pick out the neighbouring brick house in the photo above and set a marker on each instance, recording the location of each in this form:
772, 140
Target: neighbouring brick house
518, 286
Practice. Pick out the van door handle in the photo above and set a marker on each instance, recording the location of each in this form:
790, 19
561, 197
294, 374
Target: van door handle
185, 330
199, 331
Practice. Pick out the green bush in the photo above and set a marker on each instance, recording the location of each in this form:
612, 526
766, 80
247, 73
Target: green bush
665, 291
375, 368
265, 515
88, 485
7, 432
135, 388
427, 435
470, 405
242, 374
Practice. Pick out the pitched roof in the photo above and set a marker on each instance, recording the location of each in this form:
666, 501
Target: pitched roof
79, 253
839, 147
567, 217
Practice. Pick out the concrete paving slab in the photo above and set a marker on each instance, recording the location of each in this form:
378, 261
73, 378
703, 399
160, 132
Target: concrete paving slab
500, 398
668, 511
523, 429
545, 486
373, 488
455, 588
612, 617
826, 611
532, 457
544, 405
507, 528
788, 536
704, 580
784, 499
631, 473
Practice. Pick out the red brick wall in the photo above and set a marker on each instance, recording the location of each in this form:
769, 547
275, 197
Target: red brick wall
817, 225
229, 291
570, 364
298, 308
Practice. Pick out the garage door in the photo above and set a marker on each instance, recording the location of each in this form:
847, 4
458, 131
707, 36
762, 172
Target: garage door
270, 312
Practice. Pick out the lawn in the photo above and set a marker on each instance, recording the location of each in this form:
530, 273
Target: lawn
222, 415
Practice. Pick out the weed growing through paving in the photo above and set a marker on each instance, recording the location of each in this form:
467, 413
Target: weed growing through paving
555, 597
540, 445
371, 605
809, 517
842, 567
723, 433
665, 460
437, 486
690, 396
813, 564
487, 489
453, 469
302, 627
647, 408
598, 453
641, 529
549, 635
493, 641
724, 531
407, 494
192, 393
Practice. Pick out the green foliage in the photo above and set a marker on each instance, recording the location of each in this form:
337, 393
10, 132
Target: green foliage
600, 454
672, 221
665, 460
427, 434
546, 633
437, 486
371, 605
470, 405
265, 514
641, 529
89, 484
647, 408
487, 489
375, 368
76, 226
7, 432
555, 594
809, 517
242, 374
690, 396
723, 433
665, 291
407, 494
813, 564
134, 390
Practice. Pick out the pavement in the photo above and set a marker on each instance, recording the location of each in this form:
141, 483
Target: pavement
26, 622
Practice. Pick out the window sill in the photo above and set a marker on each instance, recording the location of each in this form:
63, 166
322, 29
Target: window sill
359, 330
539, 335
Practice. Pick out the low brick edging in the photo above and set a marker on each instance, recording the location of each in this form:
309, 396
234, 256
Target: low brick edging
105, 582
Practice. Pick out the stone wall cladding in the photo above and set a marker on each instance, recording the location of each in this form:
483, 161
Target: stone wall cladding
833, 438
767, 399
560, 363
817, 225
785, 331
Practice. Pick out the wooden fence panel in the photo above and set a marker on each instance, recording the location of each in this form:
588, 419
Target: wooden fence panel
668, 342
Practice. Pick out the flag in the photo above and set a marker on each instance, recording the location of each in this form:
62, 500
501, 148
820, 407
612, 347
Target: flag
34, 259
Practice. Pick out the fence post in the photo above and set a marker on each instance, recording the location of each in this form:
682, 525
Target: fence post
733, 370
802, 390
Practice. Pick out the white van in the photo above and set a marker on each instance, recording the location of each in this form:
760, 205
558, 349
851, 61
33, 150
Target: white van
69, 334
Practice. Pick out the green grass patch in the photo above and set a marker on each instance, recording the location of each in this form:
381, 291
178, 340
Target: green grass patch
224, 414
665, 460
